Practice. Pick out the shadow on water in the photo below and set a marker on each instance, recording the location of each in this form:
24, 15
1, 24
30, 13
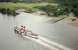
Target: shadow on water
8, 12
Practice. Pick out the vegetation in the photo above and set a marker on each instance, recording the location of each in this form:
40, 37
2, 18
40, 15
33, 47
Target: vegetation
69, 5
49, 8
64, 7
53, 10
11, 7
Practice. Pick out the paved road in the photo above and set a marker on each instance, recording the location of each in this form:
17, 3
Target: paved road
59, 32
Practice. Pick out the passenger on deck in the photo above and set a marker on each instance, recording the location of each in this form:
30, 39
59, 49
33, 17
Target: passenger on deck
23, 29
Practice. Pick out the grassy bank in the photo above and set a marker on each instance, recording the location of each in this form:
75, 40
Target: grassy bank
28, 6
11, 7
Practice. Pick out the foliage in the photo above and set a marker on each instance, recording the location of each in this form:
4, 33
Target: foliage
71, 5
52, 10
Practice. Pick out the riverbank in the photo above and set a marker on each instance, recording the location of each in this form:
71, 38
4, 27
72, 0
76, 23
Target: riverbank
51, 19
29, 7
10, 9
70, 20
73, 23
14, 6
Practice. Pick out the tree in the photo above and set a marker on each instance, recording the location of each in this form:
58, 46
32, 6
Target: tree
70, 5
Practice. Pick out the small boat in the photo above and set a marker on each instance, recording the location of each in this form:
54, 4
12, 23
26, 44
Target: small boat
28, 33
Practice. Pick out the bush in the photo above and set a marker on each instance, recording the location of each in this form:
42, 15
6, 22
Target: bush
3, 10
47, 8
61, 11
53, 10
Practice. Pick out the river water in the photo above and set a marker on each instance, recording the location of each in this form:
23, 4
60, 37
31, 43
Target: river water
59, 32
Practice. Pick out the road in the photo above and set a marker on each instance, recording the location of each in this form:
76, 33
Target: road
59, 34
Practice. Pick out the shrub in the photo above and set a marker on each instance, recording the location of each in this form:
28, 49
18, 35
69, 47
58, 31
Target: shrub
3, 10
47, 8
53, 10
61, 11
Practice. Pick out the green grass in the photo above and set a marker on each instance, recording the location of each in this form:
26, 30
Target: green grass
13, 6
